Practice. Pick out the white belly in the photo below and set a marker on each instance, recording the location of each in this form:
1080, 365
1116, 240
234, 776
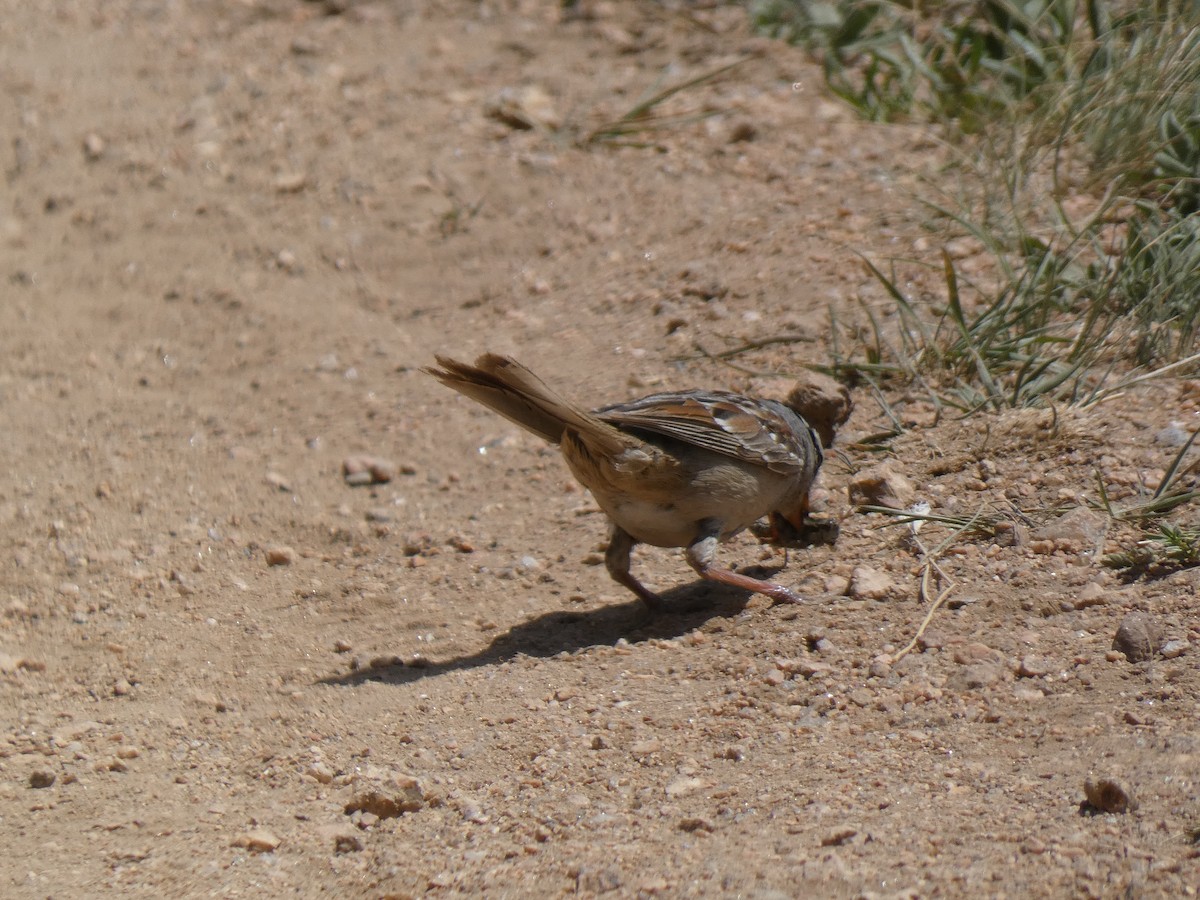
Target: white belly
726, 495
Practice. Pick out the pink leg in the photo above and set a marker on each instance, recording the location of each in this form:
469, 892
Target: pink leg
701, 556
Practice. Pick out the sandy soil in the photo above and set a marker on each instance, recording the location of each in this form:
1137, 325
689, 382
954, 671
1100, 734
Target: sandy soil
233, 231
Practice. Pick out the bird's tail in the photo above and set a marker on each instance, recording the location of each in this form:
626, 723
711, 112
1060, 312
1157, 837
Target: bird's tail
504, 385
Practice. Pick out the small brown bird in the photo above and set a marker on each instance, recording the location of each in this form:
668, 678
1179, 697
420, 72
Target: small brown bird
677, 469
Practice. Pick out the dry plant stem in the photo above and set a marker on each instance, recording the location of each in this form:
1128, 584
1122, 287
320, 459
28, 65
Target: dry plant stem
930, 565
756, 344
745, 370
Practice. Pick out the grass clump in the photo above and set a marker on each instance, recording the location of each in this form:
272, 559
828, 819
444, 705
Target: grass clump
1053, 107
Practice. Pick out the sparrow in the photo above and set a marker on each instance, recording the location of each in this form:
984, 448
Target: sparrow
676, 469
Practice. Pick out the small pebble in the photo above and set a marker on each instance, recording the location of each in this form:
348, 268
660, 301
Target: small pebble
882, 485
257, 840
1138, 636
41, 778
277, 481
360, 468
93, 147
290, 182
1173, 649
869, 584
1033, 666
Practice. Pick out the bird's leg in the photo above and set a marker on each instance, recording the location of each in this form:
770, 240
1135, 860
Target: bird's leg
616, 560
701, 556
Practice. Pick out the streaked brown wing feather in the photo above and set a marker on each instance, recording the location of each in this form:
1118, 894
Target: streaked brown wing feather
749, 429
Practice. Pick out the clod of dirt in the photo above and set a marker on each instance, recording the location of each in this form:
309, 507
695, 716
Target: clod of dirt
280, 556
389, 798
41, 778
360, 469
869, 584
257, 840
1139, 637
839, 837
882, 485
823, 402
1108, 795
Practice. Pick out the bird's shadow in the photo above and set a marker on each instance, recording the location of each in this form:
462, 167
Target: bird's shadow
685, 608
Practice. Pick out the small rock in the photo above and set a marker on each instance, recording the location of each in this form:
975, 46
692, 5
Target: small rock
807, 668
93, 147
1139, 637
696, 823
321, 773
645, 748
258, 840
881, 667
280, 555
361, 468
389, 797
1169, 650
1172, 436
277, 481
1081, 527
122, 688
882, 485
1033, 666
975, 652
837, 585
976, 676
684, 785
290, 182
8, 663
1109, 795
931, 640
524, 108
1091, 594
41, 778
342, 646
821, 401
869, 584
598, 881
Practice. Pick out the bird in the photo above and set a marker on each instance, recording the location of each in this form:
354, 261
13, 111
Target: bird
686, 469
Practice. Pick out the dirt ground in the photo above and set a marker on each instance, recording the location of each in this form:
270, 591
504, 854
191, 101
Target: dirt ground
233, 231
